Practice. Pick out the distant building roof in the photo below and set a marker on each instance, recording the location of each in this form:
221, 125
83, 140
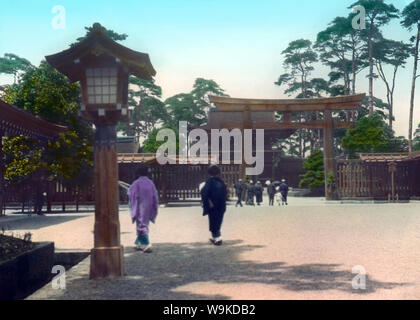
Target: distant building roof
136, 157
389, 157
127, 145
126, 139
149, 158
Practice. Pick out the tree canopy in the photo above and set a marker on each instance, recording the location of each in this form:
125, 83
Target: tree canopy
110, 33
14, 65
146, 108
46, 93
372, 134
313, 177
378, 14
299, 58
192, 106
411, 20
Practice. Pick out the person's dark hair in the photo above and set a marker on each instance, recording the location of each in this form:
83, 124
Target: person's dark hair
213, 170
142, 171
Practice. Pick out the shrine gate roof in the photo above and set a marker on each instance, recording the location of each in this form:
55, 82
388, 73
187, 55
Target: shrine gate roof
288, 105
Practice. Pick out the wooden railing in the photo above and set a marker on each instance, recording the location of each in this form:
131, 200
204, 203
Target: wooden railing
181, 182
377, 180
173, 182
355, 180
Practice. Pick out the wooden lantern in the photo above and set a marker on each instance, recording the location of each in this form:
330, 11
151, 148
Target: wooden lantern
103, 68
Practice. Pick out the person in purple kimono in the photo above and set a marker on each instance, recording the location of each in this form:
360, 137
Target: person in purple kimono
143, 199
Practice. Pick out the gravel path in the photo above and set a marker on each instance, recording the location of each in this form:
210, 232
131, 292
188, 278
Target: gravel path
304, 251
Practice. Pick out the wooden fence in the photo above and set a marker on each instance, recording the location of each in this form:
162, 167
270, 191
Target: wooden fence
173, 182
22, 195
180, 182
355, 180
378, 180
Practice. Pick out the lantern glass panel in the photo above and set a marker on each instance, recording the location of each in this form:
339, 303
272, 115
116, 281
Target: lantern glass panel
102, 85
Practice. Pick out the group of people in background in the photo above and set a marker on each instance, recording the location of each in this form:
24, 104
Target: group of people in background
251, 193
248, 192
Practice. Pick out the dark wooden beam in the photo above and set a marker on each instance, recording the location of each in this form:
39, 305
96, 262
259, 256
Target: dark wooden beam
290, 108
329, 157
289, 105
286, 125
107, 255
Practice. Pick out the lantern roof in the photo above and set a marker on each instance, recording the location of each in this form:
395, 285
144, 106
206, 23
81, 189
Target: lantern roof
97, 43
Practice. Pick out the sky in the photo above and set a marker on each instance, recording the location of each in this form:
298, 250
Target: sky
237, 43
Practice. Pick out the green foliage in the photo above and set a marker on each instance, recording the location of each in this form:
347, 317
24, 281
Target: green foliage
192, 107
395, 54
182, 107
22, 158
392, 52
299, 58
416, 140
416, 144
147, 109
110, 33
202, 88
314, 171
70, 158
48, 94
341, 47
411, 15
330, 179
372, 135
14, 65
151, 145
381, 108
411, 20
378, 12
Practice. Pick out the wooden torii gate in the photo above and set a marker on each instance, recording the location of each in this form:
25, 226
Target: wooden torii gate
287, 106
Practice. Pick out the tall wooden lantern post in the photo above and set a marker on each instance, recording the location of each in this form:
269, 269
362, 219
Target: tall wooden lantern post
103, 67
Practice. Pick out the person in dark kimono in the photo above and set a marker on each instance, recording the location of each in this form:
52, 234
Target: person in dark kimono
284, 190
239, 187
271, 190
38, 200
213, 196
259, 193
245, 192
251, 194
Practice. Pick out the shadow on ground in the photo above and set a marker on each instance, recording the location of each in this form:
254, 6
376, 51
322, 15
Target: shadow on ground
155, 276
35, 222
